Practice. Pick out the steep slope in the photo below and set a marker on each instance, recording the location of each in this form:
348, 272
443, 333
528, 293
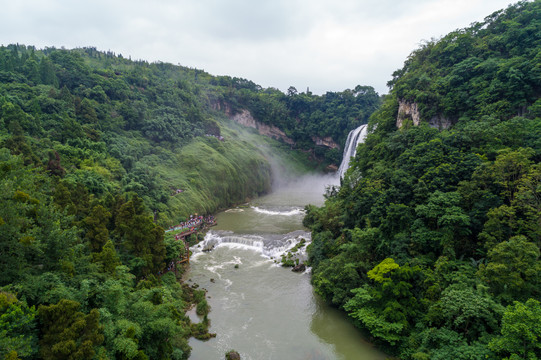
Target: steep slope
434, 233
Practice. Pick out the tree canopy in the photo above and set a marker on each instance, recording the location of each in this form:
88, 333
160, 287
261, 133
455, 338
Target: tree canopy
432, 242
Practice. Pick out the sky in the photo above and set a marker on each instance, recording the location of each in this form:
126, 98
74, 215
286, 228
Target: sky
323, 45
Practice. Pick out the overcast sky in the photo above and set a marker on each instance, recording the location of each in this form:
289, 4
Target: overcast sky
326, 45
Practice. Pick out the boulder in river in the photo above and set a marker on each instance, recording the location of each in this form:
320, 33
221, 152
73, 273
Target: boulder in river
208, 248
232, 355
299, 268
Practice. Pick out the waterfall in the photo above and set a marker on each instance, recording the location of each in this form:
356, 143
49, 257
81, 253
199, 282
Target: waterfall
269, 246
355, 137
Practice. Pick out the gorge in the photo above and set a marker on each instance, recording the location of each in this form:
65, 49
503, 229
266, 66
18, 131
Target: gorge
430, 246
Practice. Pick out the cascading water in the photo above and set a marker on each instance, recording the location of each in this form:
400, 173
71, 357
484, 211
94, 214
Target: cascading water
355, 137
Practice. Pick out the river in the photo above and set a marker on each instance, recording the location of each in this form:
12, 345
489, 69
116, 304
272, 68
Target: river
258, 308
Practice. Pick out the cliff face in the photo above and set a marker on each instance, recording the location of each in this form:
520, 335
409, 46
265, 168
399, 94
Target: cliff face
407, 110
326, 141
245, 118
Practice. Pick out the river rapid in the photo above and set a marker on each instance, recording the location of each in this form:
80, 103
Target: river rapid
258, 308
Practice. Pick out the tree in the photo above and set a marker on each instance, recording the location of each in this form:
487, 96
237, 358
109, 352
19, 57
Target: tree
443, 216
141, 238
53, 166
521, 331
387, 306
18, 335
96, 227
470, 312
292, 91
509, 168
513, 269
67, 333
107, 257
47, 72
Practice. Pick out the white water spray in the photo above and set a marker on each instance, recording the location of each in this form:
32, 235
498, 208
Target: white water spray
292, 212
355, 137
268, 247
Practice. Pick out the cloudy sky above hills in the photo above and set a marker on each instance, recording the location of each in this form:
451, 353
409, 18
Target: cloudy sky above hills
326, 45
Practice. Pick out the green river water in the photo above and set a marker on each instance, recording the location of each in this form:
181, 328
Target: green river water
260, 309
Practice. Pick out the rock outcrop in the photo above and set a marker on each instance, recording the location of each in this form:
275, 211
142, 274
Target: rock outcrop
440, 122
299, 268
245, 118
407, 110
326, 141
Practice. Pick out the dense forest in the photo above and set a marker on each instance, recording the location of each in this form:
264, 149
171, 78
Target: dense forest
98, 153
432, 242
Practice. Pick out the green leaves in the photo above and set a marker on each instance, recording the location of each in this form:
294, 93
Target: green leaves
381, 272
17, 327
387, 306
443, 226
141, 238
513, 270
521, 331
68, 333
371, 318
471, 312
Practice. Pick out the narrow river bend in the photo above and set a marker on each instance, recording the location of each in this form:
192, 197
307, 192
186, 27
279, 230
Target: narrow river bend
260, 309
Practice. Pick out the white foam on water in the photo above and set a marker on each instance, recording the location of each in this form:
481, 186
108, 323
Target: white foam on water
292, 212
271, 249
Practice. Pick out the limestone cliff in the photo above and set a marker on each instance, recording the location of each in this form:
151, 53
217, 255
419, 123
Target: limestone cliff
407, 110
245, 118
326, 141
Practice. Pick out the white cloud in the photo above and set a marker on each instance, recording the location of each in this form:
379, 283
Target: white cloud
323, 44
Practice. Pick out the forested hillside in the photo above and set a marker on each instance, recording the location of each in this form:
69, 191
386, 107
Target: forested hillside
431, 244
97, 154
119, 125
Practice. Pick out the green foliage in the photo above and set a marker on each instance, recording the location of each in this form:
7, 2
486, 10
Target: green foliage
141, 238
303, 116
17, 328
202, 308
94, 149
476, 71
513, 269
107, 258
521, 331
470, 312
232, 355
434, 231
387, 308
68, 333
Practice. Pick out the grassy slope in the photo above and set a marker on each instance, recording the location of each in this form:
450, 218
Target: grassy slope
216, 174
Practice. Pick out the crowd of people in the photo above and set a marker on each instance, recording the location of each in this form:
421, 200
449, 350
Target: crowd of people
194, 223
